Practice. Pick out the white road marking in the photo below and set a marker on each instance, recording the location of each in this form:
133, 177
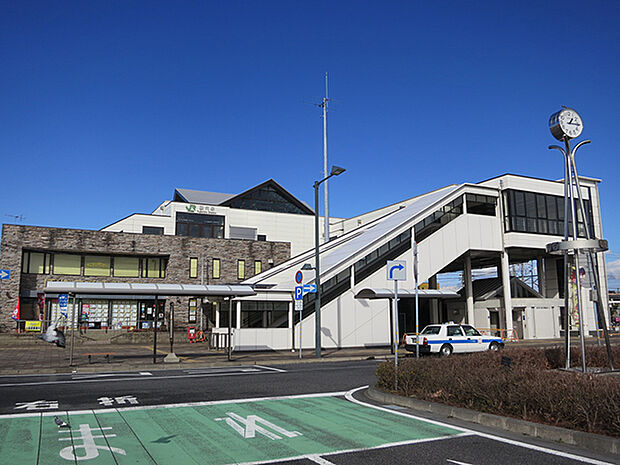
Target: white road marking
458, 463
80, 376
184, 404
349, 397
319, 460
132, 377
37, 405
361, 449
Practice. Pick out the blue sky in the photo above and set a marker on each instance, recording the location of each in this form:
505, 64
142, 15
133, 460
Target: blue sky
108, 106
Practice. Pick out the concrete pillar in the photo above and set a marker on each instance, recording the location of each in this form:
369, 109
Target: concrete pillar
237, 308
542, 276
469, 290
507, 293
434, 303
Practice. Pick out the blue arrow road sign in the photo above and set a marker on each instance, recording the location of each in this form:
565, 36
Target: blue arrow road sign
299, 293
5, 274
309, 288
396, 270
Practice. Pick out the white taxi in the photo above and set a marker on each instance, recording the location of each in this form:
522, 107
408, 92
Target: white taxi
448, 338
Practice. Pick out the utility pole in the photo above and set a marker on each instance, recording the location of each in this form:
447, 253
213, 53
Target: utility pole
325, 167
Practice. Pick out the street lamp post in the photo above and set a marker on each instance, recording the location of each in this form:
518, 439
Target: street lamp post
336, 170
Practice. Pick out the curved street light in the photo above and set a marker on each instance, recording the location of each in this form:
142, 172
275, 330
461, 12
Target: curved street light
335, 171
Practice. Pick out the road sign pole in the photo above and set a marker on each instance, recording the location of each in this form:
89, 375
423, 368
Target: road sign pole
415, 279
300, 320
395, 334
73, 324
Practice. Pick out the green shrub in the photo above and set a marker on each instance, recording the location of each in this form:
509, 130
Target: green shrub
531, 388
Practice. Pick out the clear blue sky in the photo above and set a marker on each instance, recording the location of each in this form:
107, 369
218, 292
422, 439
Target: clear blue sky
106, 107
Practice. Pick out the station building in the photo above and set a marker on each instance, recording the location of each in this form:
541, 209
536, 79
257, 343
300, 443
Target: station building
260, 238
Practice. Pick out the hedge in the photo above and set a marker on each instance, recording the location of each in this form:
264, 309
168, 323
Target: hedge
532, 388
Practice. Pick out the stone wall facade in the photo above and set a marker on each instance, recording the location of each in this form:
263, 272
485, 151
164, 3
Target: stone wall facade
178, 250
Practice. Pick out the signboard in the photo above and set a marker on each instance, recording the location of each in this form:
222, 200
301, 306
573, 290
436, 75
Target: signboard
299, 293
309, 288
396, 270
63, 303
32, 325
299, 305
5, 274
299, 277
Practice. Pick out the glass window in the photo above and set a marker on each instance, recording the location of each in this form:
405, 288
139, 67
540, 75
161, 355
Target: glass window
67, 264
126, 267
216, 268
480, 204
431, 330
470, 330
264, 314
454, 331
258, 267
268, 198
193, 267
154, 268
155, 230
240, 269
224, 311
96, 265
38, 262
198, 225
541, 213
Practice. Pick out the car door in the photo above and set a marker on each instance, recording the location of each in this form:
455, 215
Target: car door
474, 339
456, 338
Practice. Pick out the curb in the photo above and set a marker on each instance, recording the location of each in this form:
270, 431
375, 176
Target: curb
588, 441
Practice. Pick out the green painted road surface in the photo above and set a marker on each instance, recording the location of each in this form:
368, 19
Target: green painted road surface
208, 433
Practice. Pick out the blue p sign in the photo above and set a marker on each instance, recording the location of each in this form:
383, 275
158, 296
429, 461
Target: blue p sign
299, 293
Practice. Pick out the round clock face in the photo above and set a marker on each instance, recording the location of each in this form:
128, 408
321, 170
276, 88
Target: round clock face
570, 123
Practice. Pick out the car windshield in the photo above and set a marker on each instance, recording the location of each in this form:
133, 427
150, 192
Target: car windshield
470, 331
431, 330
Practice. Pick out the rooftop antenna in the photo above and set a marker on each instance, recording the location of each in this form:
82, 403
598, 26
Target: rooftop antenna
324, 106
19, 218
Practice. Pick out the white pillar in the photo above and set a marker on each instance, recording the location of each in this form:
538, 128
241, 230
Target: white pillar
238, 310
507, 291
469, 290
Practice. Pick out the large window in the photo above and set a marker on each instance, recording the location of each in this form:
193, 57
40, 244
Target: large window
264, 314
481, 204
536, 213
68, 264
267, 198
155, 230
154, 267
197, 225
126, 267
36, 262
96, 265
438, 219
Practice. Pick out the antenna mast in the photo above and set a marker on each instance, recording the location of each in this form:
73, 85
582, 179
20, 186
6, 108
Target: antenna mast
325, 164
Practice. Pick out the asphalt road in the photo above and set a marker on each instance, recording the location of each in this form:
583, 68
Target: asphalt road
348, 428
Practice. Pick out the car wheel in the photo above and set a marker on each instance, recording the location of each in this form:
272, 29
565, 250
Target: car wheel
494, 346
445, 350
